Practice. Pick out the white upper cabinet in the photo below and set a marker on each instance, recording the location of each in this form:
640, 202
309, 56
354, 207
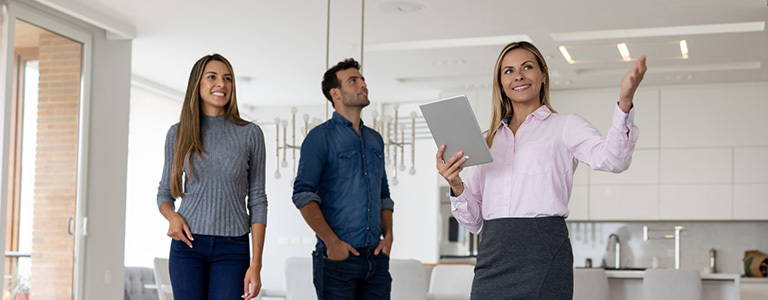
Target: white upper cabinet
714, 116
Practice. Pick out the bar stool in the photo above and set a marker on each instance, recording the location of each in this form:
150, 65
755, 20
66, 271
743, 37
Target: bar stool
590, 284
659, 284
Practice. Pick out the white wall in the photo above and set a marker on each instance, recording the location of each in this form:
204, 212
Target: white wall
107, 166
145, 231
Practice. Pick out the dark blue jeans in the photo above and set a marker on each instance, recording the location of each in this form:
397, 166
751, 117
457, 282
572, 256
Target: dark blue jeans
214, 268
364, 277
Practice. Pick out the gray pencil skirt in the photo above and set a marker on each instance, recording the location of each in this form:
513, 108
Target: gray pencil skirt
524, 258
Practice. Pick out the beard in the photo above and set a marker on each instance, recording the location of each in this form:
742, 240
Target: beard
354, 99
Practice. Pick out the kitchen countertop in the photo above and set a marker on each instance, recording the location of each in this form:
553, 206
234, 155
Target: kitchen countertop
754, 280
641, 274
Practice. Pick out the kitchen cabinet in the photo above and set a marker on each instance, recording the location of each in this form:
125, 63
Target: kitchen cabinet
754, 288
750, 177
694, 160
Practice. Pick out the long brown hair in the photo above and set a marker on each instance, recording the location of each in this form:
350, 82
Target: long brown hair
501, 105
188, 139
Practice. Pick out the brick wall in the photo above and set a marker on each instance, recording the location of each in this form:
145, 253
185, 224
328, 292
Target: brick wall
56, 167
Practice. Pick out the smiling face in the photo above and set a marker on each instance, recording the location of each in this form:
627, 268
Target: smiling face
522, 77
215, 88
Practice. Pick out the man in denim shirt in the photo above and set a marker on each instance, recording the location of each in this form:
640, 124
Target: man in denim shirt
341, 190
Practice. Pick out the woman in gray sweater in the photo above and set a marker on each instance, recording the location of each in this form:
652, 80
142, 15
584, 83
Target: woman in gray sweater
214, 161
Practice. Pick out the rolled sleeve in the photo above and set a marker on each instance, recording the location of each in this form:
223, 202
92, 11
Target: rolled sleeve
311, 163
387, 203
301, 199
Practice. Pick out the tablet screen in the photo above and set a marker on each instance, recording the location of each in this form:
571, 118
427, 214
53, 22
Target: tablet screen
453, 124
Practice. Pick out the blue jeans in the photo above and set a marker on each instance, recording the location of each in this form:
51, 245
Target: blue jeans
213, 269
364, 277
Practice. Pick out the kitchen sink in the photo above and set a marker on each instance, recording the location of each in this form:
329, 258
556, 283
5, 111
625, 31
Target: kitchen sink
625, 269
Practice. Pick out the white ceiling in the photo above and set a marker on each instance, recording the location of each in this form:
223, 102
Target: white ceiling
281, 44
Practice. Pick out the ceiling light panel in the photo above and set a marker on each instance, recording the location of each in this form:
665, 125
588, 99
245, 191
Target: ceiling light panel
659, 31
593, 53
566, 54
624, 51
731, 66
500, 40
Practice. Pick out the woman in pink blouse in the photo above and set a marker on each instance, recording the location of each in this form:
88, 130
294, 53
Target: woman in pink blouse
520, 201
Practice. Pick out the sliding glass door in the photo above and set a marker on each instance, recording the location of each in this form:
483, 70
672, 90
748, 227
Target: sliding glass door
42, 199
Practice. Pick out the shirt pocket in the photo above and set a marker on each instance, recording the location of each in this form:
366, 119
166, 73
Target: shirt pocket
534, 158
378, 162
349, 163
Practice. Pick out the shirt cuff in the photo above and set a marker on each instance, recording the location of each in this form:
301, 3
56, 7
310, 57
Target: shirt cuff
259, 213
303, 198
623, 120
387, 203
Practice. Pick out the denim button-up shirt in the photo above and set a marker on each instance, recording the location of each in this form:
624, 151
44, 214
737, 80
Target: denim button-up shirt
344, 173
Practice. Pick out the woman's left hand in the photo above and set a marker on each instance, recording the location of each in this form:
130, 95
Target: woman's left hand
252, 279
630, 83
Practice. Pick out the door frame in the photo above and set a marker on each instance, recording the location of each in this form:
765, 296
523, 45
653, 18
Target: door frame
60, 25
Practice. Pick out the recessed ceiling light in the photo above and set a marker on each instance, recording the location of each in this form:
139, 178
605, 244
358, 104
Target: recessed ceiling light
684, 49
399, 7
566, 55
624, 51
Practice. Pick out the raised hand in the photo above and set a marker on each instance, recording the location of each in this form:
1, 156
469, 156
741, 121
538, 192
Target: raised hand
630, 83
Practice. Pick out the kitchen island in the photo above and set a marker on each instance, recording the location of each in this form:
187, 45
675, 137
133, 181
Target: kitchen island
628, 285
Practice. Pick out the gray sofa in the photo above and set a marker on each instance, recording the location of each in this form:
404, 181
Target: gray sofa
135, 279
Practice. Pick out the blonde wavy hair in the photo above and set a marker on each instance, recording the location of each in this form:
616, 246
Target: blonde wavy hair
501, 105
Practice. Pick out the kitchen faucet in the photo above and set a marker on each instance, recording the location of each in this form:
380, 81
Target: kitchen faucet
618, 249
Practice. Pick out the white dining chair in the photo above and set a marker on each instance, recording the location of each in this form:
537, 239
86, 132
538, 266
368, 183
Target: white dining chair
660, 284
590, 284
298, 279
409, 280
163, 279
451, 281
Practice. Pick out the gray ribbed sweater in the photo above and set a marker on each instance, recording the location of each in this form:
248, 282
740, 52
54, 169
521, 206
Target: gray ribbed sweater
214, 200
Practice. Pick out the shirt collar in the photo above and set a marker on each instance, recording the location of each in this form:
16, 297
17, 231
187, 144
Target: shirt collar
540, 113
337, 117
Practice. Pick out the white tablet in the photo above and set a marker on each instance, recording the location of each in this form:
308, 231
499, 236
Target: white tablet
453, 124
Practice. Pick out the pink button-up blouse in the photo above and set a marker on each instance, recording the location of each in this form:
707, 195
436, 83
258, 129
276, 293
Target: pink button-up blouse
532, 171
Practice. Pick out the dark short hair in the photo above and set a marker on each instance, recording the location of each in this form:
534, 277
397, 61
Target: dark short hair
331, 81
